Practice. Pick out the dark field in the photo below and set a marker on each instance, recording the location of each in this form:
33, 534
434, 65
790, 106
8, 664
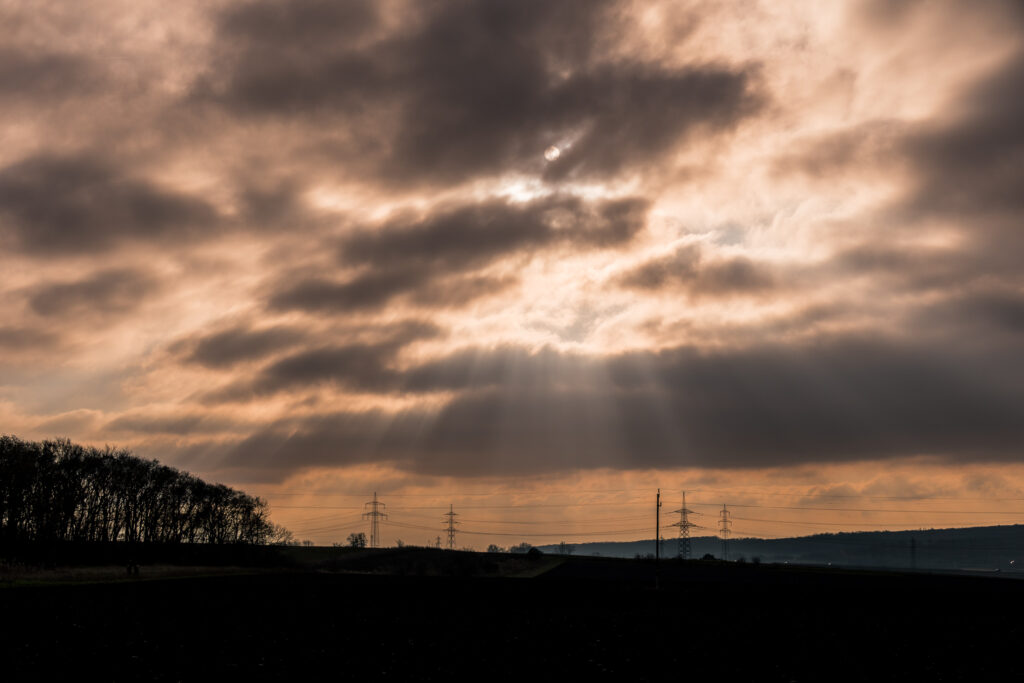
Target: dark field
590, 617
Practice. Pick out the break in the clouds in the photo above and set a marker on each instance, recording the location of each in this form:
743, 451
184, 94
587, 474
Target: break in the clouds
511, 238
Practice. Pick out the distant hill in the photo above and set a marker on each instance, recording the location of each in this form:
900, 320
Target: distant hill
985, 548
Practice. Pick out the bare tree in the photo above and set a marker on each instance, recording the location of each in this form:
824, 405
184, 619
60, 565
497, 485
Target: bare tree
60, 491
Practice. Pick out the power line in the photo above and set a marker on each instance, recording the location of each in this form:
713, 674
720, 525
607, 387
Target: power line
639, 503
531, 535
805, 494
922, 512
758, 492
375, 512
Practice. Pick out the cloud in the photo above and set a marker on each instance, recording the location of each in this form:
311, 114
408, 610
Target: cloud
970, 166
356, 365
41, 76
117, 290
516, 412
16, 338
425, 257
75, 421
993, 313
866, 147
237, 344
183, 425
464, 237
315, 172
471, 89
75, 204
359, 364
686, 271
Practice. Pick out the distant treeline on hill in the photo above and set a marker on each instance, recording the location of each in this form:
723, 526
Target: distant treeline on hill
991, 548
55, 491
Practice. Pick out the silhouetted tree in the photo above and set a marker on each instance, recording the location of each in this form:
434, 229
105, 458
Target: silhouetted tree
60, 491
280, 536
357, 540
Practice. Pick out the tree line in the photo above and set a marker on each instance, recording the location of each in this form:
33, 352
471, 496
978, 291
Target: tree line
59, 491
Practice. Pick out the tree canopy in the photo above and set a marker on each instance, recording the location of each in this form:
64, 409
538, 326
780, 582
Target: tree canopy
59, 491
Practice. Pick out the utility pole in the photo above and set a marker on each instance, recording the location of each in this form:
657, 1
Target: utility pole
684, 524
374, 514
913, 553
657, 527
451, 515
723, 528
657, 541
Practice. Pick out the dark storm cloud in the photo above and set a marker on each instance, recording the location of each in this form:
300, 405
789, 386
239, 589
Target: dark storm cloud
686, 271
356, 365
237, 345
915, 270
44, 76
361, 365
985, 313
463, 237
372, 289
366, 290
61, 204
370, 367
119, 290
420, 257
635, 114
299, 24
468, 89
972, 166
843, 400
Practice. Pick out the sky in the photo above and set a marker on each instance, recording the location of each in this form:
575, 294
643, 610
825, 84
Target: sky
534, 260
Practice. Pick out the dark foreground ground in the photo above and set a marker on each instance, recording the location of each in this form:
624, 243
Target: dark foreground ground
584, 617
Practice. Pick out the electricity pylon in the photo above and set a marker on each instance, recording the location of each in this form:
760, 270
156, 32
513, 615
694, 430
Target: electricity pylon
451, 515
684, 524
723, 528
375, 514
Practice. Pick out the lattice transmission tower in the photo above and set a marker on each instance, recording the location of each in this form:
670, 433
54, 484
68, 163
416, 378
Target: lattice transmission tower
450, 527
375, 514
724, 524
684, 524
